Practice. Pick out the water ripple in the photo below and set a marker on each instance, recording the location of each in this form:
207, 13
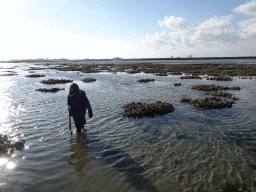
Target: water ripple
189, 149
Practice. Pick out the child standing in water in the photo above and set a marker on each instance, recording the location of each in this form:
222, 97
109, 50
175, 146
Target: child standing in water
77, 104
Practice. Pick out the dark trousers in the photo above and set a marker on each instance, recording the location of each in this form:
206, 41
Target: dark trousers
79, 122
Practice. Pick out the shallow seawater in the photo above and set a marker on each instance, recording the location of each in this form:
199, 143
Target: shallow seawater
187, 150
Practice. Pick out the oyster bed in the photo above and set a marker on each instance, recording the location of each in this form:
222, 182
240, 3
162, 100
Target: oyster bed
145, 80
220, 78
140, 110
191, 77
177, 84
172, 69
220, 94
6, 145
56, 81
209, 103
35, 75
53, 90
212, 102
9, 74
213, 87
88, 80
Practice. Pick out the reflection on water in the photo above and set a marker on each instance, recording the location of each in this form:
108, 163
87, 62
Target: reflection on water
80, 153
187, 150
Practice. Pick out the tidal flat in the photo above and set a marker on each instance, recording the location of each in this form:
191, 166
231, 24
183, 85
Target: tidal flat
187, 149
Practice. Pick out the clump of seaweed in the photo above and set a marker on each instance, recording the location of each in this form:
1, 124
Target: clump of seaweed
209, 102
191, 77
35, 75
88, 80
53, 90
6, 145
220, 78
56, 81
140, 110
145, 80
177, 84
220, 94
213, 87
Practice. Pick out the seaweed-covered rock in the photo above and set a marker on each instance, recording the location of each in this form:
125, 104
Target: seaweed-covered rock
220, 94
213, 87
53, 90
140, 110
209, 103
56, 81
191, 77
177, 84
145, 80
88, 80
220, 78
7, 147
35, 75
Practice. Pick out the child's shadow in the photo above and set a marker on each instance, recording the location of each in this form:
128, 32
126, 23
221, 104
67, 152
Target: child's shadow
86, 149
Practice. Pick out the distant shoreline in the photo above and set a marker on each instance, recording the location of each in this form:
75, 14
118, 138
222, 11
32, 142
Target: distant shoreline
131, 59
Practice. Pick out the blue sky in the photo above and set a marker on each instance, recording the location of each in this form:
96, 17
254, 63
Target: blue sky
78, 29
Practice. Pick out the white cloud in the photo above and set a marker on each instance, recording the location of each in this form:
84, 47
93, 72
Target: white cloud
247, 28
175, 23
172, 40
247, 9
216, 29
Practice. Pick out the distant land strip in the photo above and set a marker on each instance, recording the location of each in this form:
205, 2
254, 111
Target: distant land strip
131, 59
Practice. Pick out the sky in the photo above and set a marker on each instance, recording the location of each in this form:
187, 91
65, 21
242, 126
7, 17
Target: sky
101, 29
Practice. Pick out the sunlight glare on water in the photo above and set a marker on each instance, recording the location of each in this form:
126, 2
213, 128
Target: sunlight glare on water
3, 161
5, 102
10, 165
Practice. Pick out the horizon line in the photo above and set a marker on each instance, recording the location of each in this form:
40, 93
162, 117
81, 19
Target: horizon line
119, 58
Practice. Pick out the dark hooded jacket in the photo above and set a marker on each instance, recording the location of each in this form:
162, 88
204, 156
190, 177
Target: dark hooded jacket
78, 104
